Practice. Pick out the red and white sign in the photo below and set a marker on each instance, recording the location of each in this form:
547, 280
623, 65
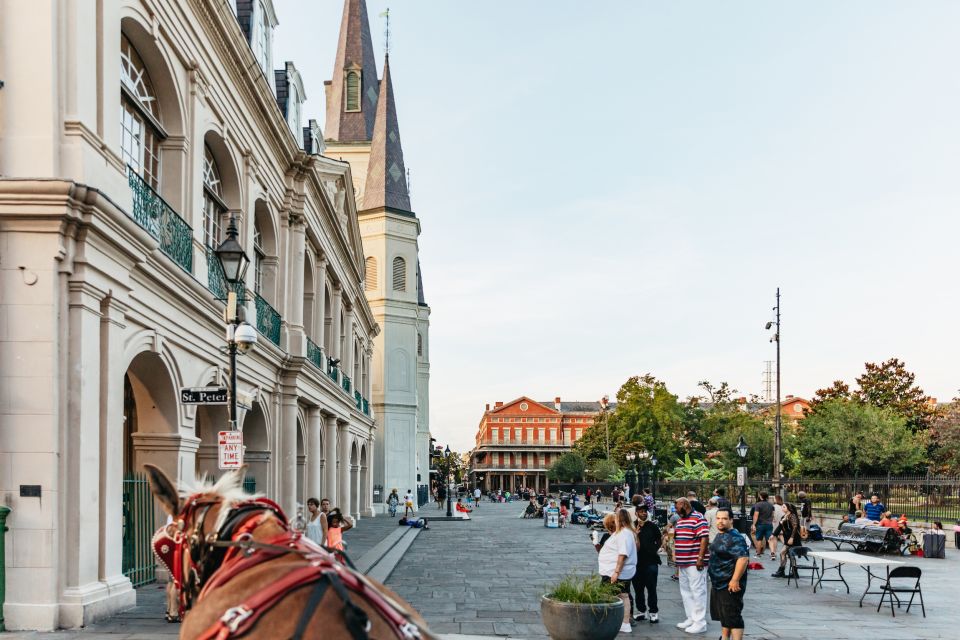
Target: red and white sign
230, 448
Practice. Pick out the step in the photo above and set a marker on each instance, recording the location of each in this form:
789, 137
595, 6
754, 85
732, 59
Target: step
371, 557
382, 569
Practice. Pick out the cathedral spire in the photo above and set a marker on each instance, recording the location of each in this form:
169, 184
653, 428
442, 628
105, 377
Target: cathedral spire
386, 184
352, 94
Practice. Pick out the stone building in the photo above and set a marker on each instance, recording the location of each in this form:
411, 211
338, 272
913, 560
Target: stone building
362, 128
517, 441
130, 132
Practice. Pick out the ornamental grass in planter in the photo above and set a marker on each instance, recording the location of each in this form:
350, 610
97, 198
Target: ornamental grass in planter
582, 608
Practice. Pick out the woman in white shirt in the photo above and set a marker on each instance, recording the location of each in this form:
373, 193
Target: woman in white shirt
618, 561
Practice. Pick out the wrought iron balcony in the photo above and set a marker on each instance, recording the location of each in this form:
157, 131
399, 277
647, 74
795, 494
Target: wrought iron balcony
332, 370
359, 400
152, 213
268, 319
314, 354
346, 383
366, 406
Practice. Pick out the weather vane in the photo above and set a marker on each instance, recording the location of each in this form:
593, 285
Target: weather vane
386, 30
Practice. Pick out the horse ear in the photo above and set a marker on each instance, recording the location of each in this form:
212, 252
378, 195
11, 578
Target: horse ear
163, 489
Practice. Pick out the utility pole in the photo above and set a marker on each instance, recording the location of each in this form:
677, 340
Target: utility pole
777, 435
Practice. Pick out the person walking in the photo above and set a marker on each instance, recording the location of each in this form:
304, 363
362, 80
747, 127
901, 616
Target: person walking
721, 495
393, 501
711, 517
476, 497
316, 522
408, 504
762, 527
617, 562
729, 556
789, 529
691, 537
649, 540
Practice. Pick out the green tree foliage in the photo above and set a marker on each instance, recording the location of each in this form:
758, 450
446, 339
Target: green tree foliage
592, 443
647, 417
604, 470
688, 469
843, 437
569, 467
945, 438
889, 385
838, 390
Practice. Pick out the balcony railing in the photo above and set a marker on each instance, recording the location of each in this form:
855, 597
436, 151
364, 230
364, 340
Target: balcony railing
506, 465
366, 406
332, 371
346, 383
268, 319
152, 213
314, 354
358, 399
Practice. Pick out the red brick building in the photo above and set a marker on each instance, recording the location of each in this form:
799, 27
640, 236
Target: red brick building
517, 441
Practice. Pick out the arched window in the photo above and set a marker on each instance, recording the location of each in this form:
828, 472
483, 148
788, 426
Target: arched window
370, 278
140, 131
399, 274
258, 257
353, 91
213, 207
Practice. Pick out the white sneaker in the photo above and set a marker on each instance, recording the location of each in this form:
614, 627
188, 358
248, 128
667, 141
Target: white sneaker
637, 617
654, 618
686, 623
625, 628
696, 628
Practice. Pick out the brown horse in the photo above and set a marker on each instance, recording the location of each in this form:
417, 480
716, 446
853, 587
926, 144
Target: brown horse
242, 572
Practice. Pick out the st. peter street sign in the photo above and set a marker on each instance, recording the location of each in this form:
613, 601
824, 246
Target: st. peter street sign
203, 395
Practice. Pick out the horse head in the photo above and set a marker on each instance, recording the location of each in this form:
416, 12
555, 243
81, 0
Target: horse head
204, 517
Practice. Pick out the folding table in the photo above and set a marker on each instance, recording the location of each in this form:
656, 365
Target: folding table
846, 557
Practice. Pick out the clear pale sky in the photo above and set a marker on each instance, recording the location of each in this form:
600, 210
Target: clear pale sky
609, 189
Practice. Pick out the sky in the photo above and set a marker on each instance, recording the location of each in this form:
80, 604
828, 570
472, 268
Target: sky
608, 189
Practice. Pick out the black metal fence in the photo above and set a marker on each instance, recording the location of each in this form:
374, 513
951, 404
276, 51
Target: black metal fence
924, 498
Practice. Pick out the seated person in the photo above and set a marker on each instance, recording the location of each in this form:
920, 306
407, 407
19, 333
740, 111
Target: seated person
563, 515
531, 509
462, 507
862, 519
889, 521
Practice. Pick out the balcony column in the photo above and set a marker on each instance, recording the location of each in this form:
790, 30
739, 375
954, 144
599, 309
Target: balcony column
320, 321
295, 334
315, 453
348, 346
288, 453
330, 458
336, 302
343, 462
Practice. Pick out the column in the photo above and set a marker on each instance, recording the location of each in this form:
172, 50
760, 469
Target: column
355, 489
343, 462
320, 323
336, 301
368, 489
348, 347
295, 342
288, 454
315, 453
330, 458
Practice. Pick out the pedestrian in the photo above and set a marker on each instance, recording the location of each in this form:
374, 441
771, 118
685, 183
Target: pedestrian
316, 522
649, 501
729, 555
599, 495
644, 581
789, 529
805, 508
617, 562
476, 497
615, 494
691, 537
696, 504
779, 511
441, 496
762, 527
855, 504
722, 501
408, 504
711, 517
874, 509
393, 501
336, 525
587, 496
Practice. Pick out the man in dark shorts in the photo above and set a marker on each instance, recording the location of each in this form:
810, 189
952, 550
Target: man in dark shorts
762, 527
729, 555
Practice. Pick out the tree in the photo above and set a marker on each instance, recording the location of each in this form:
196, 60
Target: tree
843, 437
648, 417
592, 443
688, 469
945, 439
838, 390
604, 470
569, 467
889, 385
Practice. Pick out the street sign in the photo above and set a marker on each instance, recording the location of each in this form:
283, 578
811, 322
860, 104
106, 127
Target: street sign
230, 449
741, 476
203, 395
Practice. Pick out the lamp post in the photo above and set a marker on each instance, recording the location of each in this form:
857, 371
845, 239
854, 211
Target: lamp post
742, 476
777, 431
240, 335
632, 461
446, 457
653, 490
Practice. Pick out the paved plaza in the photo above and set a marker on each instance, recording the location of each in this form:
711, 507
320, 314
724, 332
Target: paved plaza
485, 577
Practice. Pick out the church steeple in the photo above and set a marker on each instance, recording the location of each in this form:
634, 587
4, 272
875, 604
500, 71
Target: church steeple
386, 184
352, 94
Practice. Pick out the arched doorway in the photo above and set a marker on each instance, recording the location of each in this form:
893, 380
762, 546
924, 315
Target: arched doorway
256, 454
354, 480
301, 467
364, 482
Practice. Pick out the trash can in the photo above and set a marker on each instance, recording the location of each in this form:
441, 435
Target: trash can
742, 524
934, 545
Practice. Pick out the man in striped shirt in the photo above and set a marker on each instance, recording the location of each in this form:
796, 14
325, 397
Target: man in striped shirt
691, 537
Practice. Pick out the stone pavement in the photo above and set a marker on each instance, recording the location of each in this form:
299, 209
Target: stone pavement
485, 577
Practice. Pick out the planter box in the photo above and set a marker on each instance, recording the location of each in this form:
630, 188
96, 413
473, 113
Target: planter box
574, 621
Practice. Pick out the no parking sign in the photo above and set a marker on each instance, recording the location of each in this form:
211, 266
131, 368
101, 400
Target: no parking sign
230, 449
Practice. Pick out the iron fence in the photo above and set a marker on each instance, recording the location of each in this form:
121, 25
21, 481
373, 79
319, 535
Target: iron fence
138, 562
924, 498
268, 319
153, 213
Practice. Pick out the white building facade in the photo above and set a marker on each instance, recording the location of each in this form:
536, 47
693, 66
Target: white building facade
362, 129
130, 133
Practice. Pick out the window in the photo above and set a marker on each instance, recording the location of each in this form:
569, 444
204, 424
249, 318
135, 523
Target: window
420, 344
140, 133
353, 91
213, 207
370, 275
293, 110
262, 36
399, 274
259, 255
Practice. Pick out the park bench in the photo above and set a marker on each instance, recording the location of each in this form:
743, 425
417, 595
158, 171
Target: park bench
865, 537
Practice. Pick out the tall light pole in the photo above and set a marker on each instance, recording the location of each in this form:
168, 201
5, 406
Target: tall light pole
240, 335
742, 454
446, 456
777, 431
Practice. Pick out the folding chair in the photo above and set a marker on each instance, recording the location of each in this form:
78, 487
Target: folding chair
890, 590
796, 553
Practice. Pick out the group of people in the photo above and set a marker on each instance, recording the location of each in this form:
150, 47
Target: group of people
325, 525
629, 557
394, 501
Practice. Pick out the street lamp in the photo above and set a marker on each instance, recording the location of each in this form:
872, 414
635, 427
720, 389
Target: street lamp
446, 456
653, 491
742, 452
777, 431
240, 335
